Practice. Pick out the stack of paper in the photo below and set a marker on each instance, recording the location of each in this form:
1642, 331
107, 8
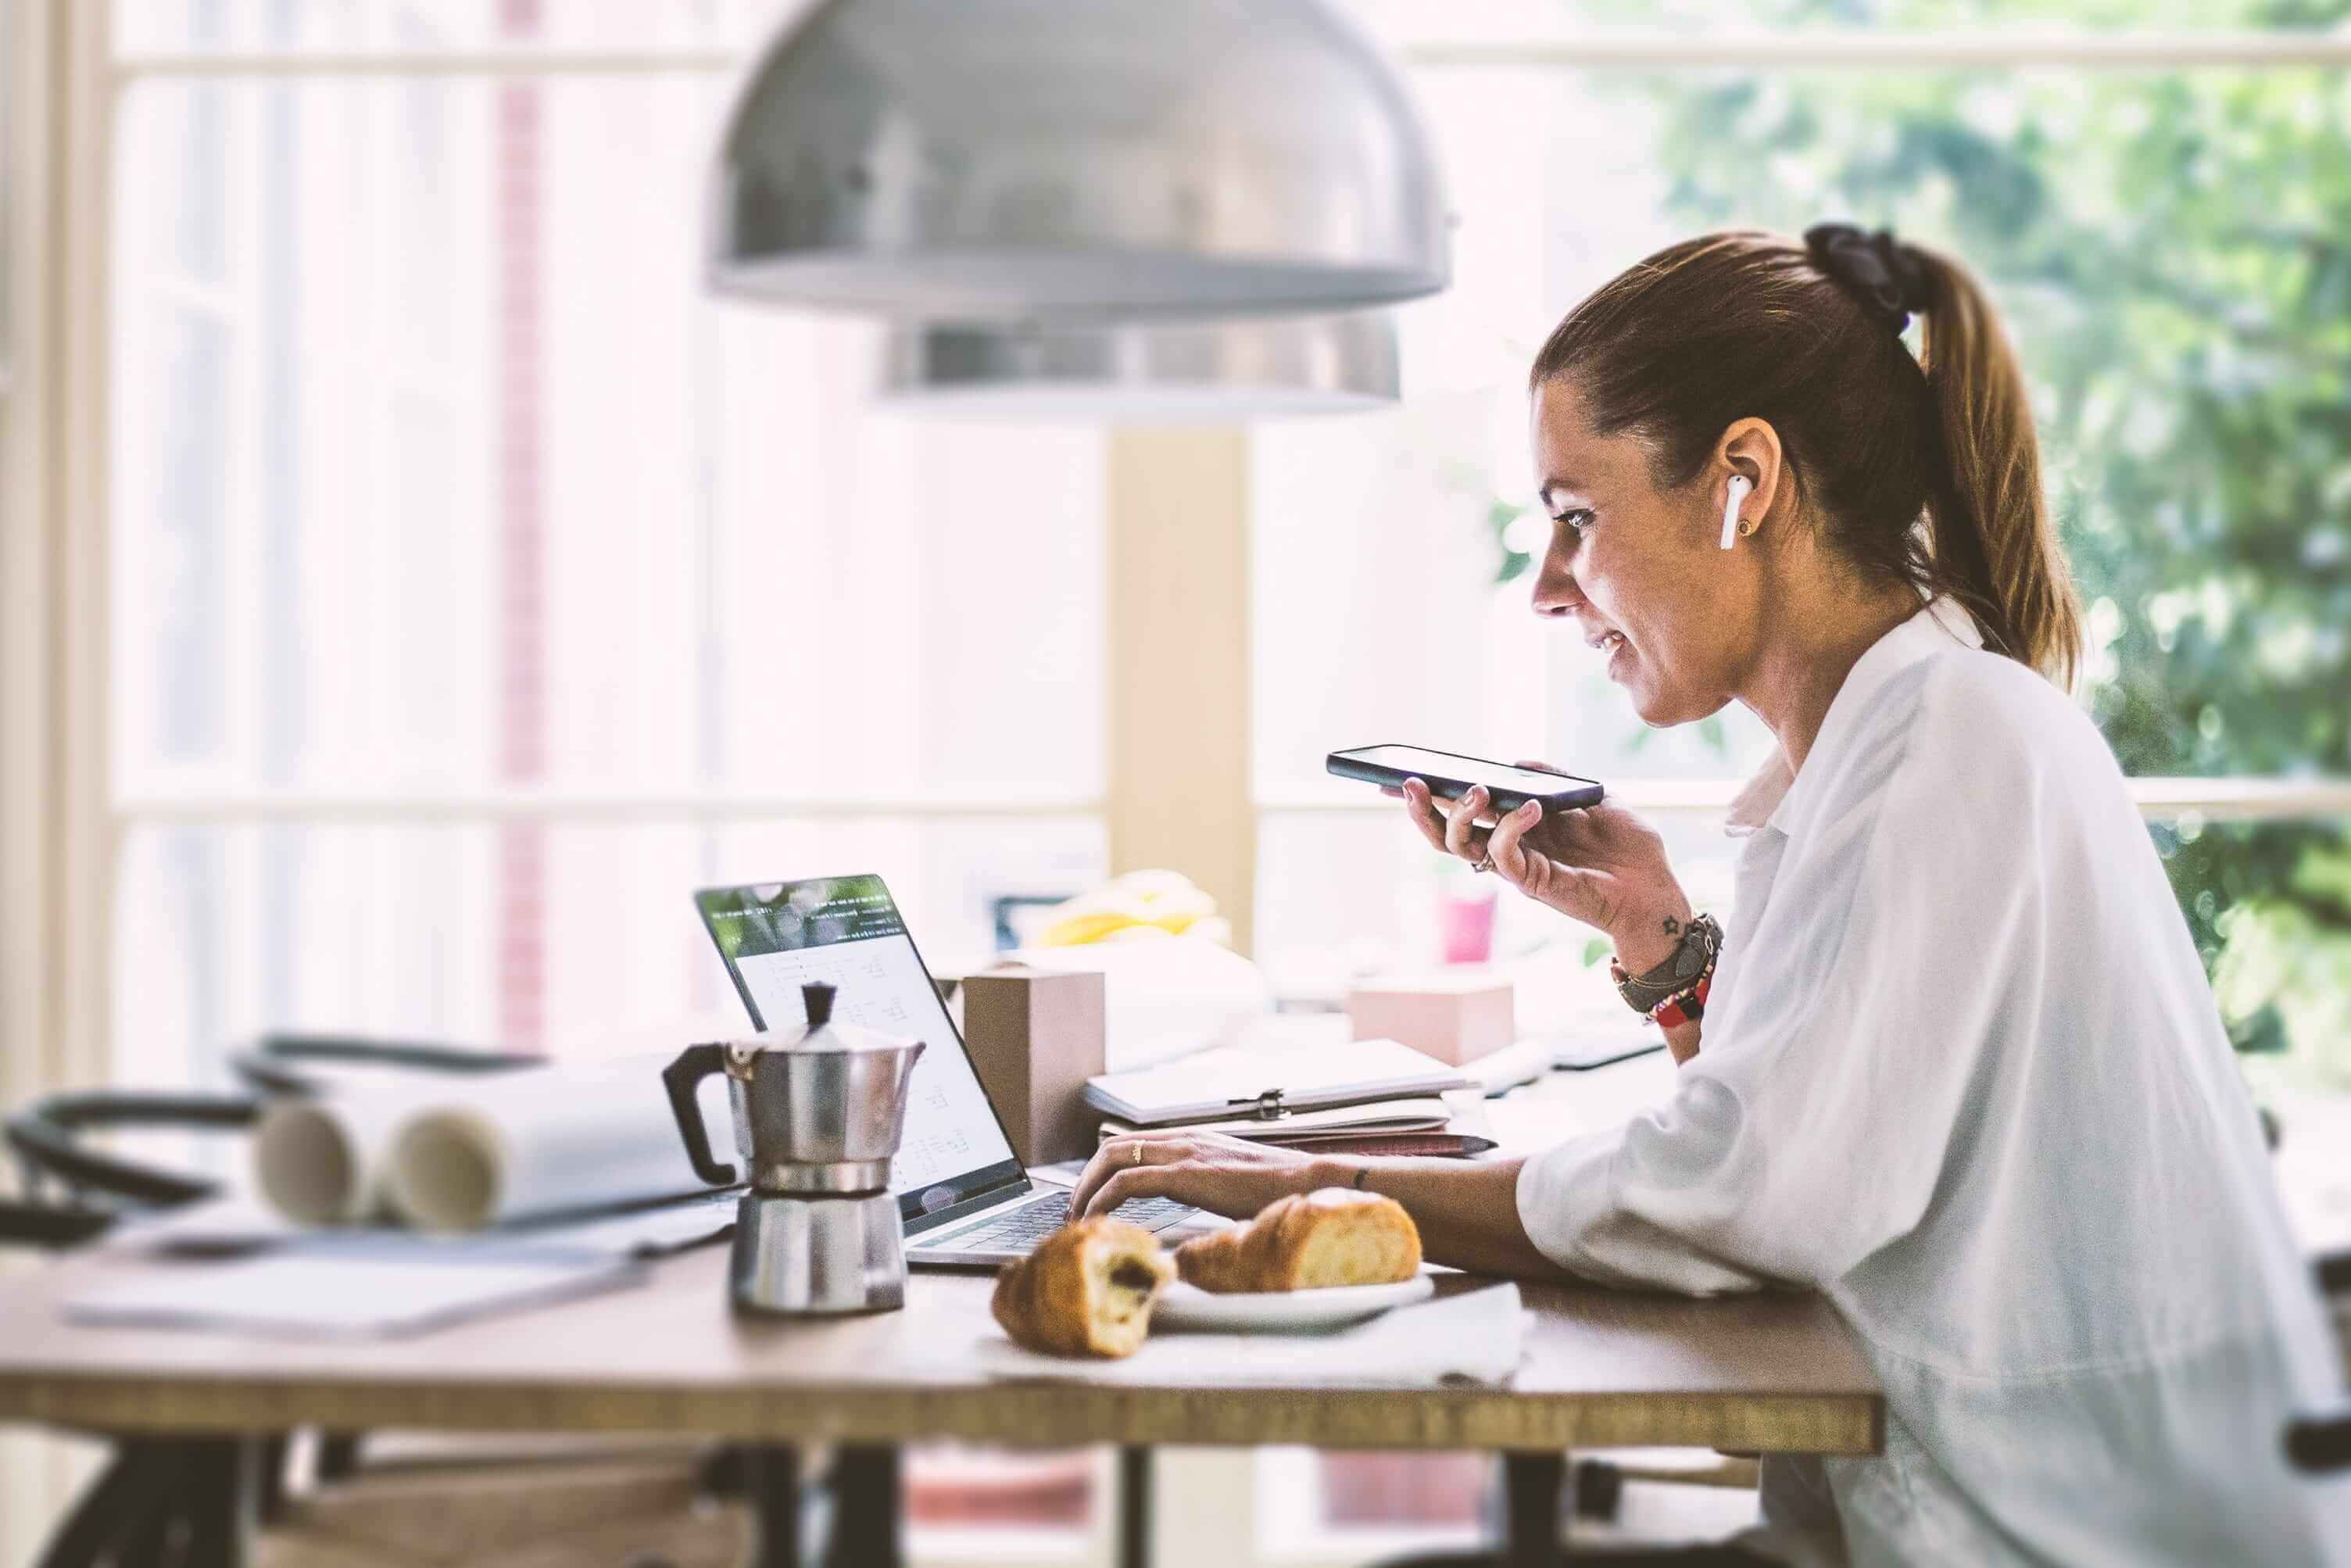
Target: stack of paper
1419, 1115
1358, 1096
1214, 1085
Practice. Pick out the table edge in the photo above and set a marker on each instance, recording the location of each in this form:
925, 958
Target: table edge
1041, 1412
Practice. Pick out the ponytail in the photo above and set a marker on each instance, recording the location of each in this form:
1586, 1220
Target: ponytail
1809, 337
1992, 535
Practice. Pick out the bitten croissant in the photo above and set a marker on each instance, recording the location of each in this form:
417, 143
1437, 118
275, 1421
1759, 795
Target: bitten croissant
1305, 1242
1087, 1290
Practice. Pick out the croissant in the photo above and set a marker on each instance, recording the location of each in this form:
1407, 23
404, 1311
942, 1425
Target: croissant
1087, 1290
1305, 1242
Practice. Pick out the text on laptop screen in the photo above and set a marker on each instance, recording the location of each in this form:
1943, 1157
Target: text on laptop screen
846, 932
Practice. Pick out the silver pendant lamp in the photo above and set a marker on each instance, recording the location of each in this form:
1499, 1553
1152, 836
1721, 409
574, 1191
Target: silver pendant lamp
1005, 161
1156, 372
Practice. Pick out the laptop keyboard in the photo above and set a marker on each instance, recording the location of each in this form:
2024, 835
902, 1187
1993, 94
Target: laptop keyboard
1023, 1227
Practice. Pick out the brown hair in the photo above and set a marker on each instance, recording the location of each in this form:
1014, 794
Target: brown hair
1737, 325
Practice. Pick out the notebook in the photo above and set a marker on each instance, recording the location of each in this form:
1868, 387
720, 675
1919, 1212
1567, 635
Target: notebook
1227, 1083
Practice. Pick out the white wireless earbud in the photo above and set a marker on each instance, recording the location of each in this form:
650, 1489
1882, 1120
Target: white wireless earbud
1739, 484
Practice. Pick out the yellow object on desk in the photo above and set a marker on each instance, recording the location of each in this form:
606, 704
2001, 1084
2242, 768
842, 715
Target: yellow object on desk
1142, 904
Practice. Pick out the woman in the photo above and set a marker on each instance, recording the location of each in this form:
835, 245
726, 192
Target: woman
1954, 1061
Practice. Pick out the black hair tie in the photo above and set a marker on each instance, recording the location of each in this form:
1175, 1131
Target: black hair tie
1887, 277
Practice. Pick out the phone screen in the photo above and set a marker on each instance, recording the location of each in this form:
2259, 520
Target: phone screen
1423, 763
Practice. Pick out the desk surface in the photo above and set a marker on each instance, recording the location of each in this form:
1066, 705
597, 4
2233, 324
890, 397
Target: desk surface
1604, 1369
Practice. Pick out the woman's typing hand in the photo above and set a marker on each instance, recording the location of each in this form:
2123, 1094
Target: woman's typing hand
1599, 865
1231, 1176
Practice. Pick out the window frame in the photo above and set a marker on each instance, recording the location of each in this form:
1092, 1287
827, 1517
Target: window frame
54, 666
2251, 798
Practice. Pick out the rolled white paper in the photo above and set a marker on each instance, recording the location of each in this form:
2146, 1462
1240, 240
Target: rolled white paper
542, 1140
321, 1162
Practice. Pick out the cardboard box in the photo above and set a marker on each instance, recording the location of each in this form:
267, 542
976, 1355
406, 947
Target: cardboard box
1455, 1016
1036, 1036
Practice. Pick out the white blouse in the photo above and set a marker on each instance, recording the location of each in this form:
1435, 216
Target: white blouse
1961, 1072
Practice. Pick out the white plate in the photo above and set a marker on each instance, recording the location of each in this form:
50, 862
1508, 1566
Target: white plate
1183, 1306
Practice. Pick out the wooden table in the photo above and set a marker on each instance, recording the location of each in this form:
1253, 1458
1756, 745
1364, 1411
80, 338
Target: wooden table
1775, 1373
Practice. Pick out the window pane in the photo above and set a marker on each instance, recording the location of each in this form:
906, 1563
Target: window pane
1341, 893
437, 471
225, 931
436, 476
1378, 612
413, 931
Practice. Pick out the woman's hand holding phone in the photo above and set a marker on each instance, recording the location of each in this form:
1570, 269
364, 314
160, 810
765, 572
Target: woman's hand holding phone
1599, 865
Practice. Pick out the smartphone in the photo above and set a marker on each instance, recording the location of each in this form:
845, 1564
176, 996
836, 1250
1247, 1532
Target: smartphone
1450, 774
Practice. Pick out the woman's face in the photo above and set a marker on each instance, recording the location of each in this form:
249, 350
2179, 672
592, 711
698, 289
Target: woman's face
1640, 570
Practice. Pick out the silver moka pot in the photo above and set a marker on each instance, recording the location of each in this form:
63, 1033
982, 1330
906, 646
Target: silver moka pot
819, 1110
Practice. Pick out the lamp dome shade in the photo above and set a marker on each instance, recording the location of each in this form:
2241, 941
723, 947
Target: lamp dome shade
985, 159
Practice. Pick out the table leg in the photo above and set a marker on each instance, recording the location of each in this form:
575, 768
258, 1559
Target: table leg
269, 1497
339, 1456
154, 1532
217, 1500
1133, 1507
864, 1509
773, 1481
1531, 1489
138, 1485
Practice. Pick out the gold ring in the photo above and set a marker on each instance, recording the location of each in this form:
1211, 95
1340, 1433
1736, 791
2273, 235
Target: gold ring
1138, 1155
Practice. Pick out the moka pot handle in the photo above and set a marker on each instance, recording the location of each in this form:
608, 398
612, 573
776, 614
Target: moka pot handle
681, 1078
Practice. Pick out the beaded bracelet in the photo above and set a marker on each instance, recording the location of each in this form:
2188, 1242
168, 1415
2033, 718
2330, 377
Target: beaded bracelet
1684, 1006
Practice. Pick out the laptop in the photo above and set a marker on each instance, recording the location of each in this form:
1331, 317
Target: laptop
964, 1197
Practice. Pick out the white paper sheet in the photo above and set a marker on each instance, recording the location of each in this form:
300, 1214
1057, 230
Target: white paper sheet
231, 1226
349, 1293
652, 1232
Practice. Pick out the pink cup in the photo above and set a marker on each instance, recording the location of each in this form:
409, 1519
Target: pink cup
1466, 925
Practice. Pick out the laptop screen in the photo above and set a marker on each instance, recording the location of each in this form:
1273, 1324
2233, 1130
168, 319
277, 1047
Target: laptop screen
845, 931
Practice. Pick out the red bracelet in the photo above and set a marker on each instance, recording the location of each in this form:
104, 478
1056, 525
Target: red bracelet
1684, 1006
1689, 1006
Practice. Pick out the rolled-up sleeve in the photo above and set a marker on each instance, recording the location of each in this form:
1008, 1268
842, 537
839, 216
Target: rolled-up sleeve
1900, 938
